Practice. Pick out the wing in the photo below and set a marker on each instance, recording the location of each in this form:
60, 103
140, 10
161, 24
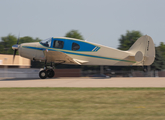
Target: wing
60, 57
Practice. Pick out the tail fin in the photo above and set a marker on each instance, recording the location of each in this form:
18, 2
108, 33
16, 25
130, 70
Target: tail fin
143, 50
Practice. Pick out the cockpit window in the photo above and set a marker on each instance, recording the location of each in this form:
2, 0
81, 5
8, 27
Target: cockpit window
75, 46
46, 42
58, 44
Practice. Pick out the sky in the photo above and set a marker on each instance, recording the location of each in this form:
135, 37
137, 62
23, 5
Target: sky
98, 21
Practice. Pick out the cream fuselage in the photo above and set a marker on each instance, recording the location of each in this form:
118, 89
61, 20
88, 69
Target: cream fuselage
91, 53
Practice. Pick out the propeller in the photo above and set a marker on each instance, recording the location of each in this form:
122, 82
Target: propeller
15, 48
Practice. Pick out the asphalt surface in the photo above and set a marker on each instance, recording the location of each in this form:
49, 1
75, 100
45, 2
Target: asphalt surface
85, 82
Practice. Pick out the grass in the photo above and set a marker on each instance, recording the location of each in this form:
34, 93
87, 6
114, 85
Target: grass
82, 103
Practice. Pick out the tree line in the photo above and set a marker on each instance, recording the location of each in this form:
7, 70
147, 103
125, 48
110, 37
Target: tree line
125, 42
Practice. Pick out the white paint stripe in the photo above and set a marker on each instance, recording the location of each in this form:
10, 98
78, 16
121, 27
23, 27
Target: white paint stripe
94, 48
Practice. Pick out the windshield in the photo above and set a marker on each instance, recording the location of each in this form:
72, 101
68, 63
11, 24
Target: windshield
46, 42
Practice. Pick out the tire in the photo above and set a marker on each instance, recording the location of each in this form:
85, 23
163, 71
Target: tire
50, 73
43, 74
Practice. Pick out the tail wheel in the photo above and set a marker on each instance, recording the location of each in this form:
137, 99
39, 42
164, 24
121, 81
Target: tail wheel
145, 69
43, 74
50, 73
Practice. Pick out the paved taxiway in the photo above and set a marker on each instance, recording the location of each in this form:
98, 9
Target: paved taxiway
85, 82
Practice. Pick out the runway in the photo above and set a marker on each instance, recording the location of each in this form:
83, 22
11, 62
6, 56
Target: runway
85, 82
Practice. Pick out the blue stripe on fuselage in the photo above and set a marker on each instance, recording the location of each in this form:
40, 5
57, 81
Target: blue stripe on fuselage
77, 54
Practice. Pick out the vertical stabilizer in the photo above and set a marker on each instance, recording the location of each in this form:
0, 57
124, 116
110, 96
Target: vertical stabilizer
143, 50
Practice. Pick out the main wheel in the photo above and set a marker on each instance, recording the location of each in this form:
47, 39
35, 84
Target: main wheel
50, 73
43, 74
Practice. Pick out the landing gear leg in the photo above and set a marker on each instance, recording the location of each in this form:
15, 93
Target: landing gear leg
45, 65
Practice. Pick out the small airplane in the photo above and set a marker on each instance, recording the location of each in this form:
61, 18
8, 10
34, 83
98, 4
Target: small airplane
63, 50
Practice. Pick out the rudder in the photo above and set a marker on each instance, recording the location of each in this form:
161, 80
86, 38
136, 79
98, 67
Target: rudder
143, 50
